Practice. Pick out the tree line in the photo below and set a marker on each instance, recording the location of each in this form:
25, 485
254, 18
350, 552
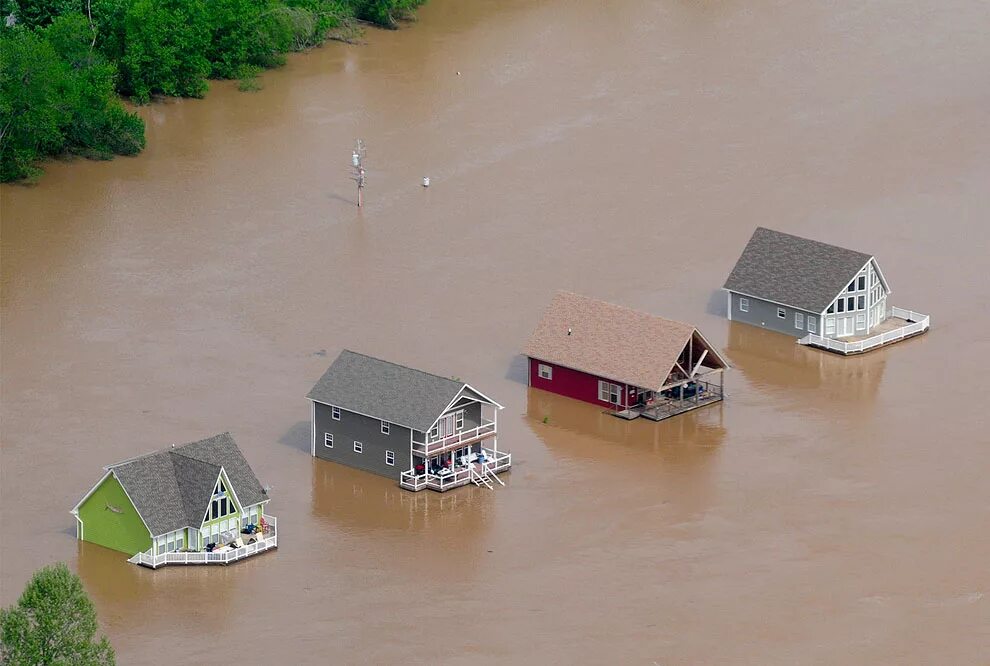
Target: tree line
65, 63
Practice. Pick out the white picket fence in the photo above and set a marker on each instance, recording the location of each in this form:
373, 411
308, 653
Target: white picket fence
268, 542
919, 323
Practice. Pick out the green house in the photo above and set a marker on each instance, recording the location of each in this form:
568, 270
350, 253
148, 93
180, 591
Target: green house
188, 504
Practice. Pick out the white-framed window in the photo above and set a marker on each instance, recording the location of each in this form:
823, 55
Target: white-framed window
861, 303
861, 321
335, 413
546, 372
390, 458
850, 304
852, 286
782, 313
328, 440
385, 427
840, 305
608, 392
799, 320
862, 282
812, 325
830, 326
459, 421
744, 305
358, 447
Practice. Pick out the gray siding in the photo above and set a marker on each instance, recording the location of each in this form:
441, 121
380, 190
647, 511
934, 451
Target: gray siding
764, 314
354, 427
472, 413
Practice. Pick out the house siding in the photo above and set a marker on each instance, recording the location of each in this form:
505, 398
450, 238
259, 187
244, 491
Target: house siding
125, 531
764, 314
355, 427
571, 383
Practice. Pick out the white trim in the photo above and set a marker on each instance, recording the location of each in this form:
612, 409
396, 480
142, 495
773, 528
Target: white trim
729, 304
358, 447
781, 313
392, 453
312, 418
230, 489
75, 510
883, 280
711, 347
326, 444
743, 303
454, 401
385, 427
544, 366
334, 409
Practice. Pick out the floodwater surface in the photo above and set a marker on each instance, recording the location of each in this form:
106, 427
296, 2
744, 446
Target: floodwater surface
831, 510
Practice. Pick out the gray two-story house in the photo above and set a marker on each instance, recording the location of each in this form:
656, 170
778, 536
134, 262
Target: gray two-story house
816, 292
423, 430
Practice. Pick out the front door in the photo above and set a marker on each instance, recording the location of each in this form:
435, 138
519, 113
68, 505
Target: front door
845, 326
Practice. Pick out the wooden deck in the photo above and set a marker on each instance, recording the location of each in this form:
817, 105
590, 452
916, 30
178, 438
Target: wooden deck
899, 325
664, 408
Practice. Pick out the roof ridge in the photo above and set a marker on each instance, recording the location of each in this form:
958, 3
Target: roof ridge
627, 308
405, 367
172, 448
814, 240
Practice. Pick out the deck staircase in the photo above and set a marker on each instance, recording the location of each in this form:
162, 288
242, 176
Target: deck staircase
485, 478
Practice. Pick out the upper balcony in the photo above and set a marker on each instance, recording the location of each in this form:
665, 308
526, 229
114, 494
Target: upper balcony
460, 439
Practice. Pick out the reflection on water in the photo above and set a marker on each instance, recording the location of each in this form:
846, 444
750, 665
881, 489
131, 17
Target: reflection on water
775, 362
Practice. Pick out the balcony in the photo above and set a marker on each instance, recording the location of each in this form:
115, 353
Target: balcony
480, 474
899, 325
434, 446
223, 555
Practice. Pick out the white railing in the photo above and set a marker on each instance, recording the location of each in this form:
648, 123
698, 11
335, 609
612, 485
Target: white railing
267, 542
435, 445
919, 323
494, 463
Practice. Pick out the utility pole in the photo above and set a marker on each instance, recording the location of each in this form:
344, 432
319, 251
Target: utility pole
357, 165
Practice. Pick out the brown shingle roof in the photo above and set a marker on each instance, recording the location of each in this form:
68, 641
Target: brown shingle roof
608, 340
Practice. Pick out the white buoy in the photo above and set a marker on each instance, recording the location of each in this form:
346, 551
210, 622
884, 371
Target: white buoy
426, 181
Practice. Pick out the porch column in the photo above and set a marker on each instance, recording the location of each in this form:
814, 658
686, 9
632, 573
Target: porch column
495, 426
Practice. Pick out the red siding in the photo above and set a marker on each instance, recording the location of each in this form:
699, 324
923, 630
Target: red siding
572, 383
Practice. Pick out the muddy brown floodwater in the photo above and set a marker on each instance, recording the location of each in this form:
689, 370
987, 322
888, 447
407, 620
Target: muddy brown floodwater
829, 511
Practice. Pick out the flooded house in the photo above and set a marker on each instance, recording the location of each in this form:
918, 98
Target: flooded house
423, 430
824, 295
628, 362
198, 503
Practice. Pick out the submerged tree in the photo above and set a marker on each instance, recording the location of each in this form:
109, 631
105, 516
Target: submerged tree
52, 624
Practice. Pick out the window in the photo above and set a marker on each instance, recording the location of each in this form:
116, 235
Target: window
812, 324
608, 392
744, 305
335, 413
782, 313
840, 305
830, 326
385, 427
831, 308
861, 303
799, 320
328, 440
358, 447
861, 321
390, 458
862, 282
852, 286
850, 303
459, 421
546, 372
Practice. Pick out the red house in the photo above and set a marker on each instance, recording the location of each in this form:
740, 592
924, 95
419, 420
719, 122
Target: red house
632, 363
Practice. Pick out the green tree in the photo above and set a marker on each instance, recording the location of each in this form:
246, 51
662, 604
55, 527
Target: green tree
165, 43
34, 92
53, 623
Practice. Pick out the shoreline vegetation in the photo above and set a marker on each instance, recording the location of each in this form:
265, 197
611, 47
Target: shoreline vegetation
67, 65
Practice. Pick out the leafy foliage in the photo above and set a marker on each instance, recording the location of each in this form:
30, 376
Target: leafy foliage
64, 62
53, 622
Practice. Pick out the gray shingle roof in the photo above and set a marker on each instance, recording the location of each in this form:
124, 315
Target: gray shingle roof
794, 271
171, 489
384, 390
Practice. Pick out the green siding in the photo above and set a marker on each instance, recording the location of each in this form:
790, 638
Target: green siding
123, 531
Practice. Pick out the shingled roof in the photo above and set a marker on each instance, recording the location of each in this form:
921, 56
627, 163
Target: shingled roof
386, 391
609, 340
790, 270
171, 489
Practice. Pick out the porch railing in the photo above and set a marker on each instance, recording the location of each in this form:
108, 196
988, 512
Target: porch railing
919, 323
494, 463
431, 446
267, 542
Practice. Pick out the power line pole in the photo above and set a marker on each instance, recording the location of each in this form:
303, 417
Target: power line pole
357, 166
